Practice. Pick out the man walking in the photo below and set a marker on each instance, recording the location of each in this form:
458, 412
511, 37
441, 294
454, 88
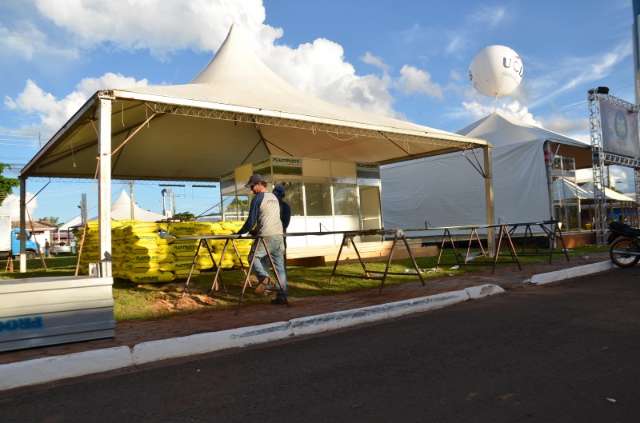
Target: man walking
264, 221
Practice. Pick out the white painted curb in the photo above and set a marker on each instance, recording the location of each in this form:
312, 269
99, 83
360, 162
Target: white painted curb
41, 370
571, 272
201, 343
32, 372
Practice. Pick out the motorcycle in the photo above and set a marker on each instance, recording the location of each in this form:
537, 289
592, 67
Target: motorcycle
624, 244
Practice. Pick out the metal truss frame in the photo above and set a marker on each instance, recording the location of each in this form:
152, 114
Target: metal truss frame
600, 159
401, 140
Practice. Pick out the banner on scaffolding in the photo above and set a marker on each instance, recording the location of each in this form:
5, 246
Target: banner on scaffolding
619, 129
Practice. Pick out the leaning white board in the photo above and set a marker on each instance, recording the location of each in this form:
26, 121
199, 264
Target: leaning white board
5, 234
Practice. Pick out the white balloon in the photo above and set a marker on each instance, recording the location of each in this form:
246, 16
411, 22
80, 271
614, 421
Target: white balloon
496, 71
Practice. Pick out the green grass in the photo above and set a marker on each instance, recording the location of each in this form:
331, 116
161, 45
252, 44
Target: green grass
164, 300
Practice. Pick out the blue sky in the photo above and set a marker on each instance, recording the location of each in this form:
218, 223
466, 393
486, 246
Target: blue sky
407, 59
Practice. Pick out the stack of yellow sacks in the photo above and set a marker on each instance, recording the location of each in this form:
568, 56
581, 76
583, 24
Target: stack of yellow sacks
185, 249
147, 257
143, 253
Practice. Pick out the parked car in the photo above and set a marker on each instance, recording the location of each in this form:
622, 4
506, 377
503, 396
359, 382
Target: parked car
60, 248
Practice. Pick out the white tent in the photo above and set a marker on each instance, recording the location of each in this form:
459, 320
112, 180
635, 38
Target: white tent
445, 191
236, 111
564, 189
120, 210
611, 195
244, 112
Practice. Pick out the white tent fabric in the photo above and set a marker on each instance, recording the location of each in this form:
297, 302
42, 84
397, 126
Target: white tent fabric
609, 193
445, 190
235, 111
501, 130
563, 189
121, 210
76, 221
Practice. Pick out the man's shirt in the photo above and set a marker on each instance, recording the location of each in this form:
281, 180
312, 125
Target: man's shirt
264, 215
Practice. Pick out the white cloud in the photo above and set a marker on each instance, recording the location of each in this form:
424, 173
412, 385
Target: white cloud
511, 109
491, 16
11, 206
53, 112
160, 26
564, 125
163, 27
319, 68
575, 72
373, 60
457, 42
28, 42
417, 81
621, 178
454, 75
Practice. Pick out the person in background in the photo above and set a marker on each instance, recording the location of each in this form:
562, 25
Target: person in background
264, 221
47, 248
285, 215
285, 209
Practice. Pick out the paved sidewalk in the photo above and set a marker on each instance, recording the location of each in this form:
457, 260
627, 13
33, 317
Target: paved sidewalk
132, 332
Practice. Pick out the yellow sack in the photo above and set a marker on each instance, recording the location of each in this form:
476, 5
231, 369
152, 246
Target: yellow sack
182, 265
150, 277
185, 273
150, 258
167, 267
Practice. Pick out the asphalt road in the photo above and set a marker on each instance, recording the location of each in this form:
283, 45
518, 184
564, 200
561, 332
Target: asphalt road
563, 353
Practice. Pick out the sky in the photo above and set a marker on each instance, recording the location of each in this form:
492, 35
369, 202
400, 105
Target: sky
406, 59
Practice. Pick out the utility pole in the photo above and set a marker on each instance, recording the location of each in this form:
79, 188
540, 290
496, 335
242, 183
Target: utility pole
83, 209
132, 202
168, 202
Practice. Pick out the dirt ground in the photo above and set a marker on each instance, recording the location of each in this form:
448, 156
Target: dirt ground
133, 332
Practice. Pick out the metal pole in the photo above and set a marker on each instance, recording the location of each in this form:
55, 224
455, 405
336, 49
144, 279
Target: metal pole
488, 193
104, 185
83, 209
132, 212
23, 224
597, 156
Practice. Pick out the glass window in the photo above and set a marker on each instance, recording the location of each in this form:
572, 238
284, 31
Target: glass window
318, 198
235, 207
345, 199
293, 196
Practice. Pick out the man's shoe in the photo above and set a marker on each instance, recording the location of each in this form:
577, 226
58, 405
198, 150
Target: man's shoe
279, 300
263, 286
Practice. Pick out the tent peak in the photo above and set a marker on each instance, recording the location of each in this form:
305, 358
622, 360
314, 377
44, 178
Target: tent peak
236, 60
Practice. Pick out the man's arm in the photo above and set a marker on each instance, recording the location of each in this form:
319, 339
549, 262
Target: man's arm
285, 214
252, 219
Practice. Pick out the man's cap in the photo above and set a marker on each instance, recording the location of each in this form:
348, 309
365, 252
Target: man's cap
256, 178
279, 191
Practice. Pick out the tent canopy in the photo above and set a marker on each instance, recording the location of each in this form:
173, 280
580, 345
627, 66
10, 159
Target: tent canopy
120, 210
612, 195
504, 130
235, 111
501, 130
564, 189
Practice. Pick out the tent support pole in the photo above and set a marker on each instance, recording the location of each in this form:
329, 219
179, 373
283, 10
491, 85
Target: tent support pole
488, 193
104, 186
23, 224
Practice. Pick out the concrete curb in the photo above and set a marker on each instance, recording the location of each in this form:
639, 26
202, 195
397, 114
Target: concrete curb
571, 272
201, 343
49, 369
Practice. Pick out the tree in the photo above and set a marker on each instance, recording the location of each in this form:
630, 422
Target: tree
6, 184
50, 220
184, 216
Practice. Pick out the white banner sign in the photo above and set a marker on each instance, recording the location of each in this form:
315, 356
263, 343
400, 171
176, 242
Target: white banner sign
619, 129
